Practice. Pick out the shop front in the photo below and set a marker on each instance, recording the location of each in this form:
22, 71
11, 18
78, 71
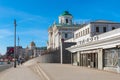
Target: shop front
111, 59
89, 58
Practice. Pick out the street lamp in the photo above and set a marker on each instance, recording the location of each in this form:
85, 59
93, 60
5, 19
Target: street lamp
14, 43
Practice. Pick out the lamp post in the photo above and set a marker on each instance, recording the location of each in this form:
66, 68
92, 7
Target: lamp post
15, 43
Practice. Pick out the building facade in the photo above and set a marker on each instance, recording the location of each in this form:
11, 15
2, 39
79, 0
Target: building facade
29, 52
19, 51
61, 31
97, 46
33, 51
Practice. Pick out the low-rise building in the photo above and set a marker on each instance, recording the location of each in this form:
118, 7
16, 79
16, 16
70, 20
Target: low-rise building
97, 46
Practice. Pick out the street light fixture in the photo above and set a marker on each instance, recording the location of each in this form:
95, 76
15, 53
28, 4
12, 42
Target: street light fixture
14, 43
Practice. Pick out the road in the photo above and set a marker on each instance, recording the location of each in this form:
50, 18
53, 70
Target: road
19, 73
4, 66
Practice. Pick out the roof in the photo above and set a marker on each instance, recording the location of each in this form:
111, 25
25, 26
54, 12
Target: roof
65, 25
32, 43
66, 13
105, 21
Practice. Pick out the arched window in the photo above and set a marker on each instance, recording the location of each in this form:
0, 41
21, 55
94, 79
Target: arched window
88, 30
104, 29
70, 21
113, 28
66, 20
66, 35
83, 32
97, 29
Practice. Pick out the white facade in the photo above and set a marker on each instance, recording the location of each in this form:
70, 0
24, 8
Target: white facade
38, 51
98, 47
89, 32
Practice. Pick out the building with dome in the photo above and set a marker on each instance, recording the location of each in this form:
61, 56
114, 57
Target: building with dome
32, 45
32, 50
61, 31
58, 33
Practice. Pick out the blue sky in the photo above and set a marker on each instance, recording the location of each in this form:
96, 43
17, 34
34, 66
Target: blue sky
35, 16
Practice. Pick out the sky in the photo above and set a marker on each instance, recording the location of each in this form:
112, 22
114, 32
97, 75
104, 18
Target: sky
35, 16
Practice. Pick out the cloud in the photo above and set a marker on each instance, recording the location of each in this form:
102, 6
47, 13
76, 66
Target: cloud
5, 33
6, 12
21, 16
29, 27
33, 32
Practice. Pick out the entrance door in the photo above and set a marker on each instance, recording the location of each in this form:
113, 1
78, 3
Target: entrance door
89, 60
92, 60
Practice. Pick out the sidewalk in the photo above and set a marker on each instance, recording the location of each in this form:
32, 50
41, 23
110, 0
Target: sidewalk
69, 72
19, 73
45, 71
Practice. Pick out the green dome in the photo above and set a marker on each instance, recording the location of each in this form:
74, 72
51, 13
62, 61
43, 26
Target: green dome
66, 13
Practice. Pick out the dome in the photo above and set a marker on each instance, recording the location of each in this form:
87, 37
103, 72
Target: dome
66, 13
32, 43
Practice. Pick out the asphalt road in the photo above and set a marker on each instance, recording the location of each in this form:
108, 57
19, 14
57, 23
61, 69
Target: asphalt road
19, 73
4, 66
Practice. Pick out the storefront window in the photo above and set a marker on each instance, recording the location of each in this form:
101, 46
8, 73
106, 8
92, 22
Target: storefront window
110, 57
119, 57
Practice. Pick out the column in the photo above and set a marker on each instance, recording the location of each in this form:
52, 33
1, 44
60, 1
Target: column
78, 58
100, 59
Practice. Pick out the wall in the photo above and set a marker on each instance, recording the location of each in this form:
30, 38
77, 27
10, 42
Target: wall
54, 56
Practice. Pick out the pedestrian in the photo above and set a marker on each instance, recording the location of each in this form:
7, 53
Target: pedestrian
21, 61
18, 61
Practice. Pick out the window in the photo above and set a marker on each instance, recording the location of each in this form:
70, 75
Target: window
110, 57
97, 29
66, 20
79, 34
70, 21
61, 20
83, 32
113, 28
88, 31
76, 35
66, 35
104, 29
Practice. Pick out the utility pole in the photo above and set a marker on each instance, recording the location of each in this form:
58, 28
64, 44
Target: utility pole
18, 41
15, 43
18, 48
